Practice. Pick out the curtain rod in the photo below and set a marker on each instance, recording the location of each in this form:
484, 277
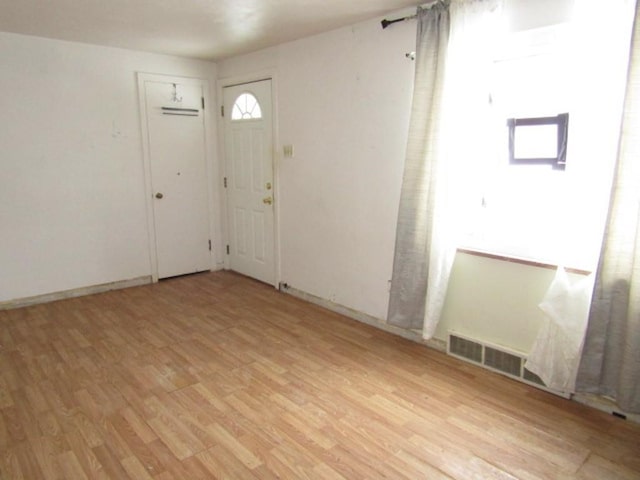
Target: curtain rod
385, 23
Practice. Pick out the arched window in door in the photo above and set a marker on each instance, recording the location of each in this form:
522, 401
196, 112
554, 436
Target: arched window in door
246, 107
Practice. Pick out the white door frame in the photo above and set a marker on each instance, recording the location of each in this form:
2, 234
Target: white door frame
239, 80
144, 129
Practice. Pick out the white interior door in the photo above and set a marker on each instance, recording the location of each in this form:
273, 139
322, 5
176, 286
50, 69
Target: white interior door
177, 157
249, 179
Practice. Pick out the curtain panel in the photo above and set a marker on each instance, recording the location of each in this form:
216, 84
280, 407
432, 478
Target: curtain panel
415, 227
447, 144
610, 363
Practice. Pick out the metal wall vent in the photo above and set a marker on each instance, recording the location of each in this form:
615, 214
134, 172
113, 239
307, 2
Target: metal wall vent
502, 361
494, 358
529, 376
467, 349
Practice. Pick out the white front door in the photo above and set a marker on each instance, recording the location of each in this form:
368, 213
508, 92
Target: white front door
177, 153
249, 179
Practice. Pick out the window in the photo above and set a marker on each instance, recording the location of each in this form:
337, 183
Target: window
539, 141
543, 194
246, 107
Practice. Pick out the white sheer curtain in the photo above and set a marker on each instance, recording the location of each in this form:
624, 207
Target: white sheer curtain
610, 362
446, 138
555, 354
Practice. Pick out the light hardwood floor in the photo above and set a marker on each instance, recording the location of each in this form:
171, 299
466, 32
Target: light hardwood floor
217, 376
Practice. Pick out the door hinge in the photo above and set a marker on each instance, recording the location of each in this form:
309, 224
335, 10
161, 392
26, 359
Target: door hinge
209, 245
227, 249
225, 182
222, 110
202, 102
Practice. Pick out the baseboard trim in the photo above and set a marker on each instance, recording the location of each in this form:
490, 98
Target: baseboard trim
413, 335
604, 405
76, 292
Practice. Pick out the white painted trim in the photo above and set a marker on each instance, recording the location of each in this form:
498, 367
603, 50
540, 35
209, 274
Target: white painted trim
76, 292
269, 74
256, 76
209, 166
413, 335
146, 161
276, 180
604, 405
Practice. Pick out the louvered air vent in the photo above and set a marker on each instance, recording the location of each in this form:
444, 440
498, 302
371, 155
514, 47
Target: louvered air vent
466, 349
494, 358
502, 361
529, 376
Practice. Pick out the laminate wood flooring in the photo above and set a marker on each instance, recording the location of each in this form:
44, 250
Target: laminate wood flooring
218, 376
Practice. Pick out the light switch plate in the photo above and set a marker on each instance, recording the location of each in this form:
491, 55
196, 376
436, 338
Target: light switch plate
287, 151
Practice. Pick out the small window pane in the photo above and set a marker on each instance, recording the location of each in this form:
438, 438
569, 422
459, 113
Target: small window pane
246, 107
539, 140
536, 141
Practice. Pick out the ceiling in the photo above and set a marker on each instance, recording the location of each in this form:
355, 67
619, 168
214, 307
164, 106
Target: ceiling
205, 29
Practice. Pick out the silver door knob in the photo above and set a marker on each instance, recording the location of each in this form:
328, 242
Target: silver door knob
159, 195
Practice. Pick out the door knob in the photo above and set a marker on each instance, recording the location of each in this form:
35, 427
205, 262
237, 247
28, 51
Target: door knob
267, 200
159, 195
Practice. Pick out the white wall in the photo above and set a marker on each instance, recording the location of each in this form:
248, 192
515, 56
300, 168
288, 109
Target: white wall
72, 198
495, 301
343, 101
72, 206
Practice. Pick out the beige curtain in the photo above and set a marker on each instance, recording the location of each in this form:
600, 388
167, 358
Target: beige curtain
415, 229
446, 144
610, 363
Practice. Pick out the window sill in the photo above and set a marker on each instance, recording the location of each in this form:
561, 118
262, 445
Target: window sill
522, 261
